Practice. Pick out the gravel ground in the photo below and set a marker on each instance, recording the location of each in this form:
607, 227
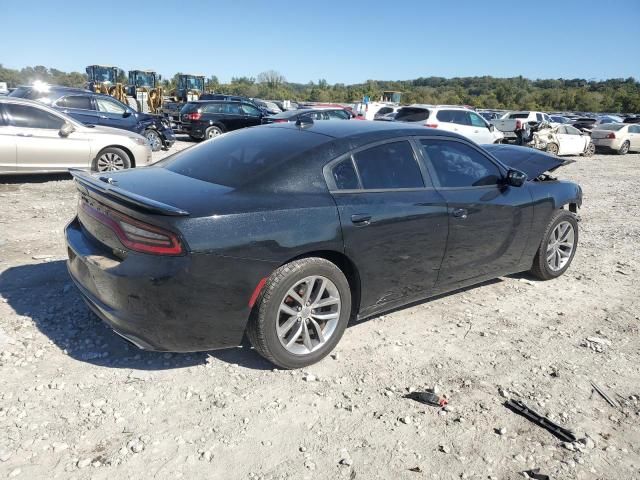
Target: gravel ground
76, 401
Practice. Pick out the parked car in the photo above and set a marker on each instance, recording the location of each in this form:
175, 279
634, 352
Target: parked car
97, 109
314, 114
35, 138
288, 232
383, 112
208, 119
516, 125
489, 115
389, 117
559, 119
619, 137
563, 140
454, 119
632, 120
584, 124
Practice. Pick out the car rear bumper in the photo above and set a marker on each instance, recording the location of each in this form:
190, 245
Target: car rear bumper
188, 303
612, 143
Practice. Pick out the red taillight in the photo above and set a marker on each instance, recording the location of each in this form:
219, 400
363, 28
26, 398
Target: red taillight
611, 135
431, 125
194, 116
134, 234
518, 124
280, 120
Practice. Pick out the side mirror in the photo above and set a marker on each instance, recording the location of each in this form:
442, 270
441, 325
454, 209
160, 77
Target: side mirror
491, 127
126, 114
66, 130
516, 178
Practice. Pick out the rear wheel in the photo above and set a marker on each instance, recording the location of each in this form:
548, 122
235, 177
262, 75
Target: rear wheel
111, 159
552, 148
558, 246
590, 150
213, 132
624, 148
301, 313
154, 139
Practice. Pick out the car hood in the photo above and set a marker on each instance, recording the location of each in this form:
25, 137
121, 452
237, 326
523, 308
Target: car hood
528, 160
102, 130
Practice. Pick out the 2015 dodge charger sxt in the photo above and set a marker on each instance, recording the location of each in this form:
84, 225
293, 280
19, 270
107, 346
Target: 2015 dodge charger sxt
287, 231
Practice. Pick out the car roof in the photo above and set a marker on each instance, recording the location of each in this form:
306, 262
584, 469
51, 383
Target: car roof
354, 128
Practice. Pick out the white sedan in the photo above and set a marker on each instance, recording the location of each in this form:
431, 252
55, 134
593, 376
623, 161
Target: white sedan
564, 140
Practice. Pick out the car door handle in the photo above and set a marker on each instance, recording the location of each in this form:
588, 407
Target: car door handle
103, 116
361, 219
459, 212
24, 135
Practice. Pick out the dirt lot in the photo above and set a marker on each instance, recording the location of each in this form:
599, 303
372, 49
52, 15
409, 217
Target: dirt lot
76, 401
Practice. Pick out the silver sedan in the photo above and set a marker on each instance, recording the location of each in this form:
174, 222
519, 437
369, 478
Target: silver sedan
37, 139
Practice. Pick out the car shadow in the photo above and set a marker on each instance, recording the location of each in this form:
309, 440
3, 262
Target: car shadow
44, 293
35, 178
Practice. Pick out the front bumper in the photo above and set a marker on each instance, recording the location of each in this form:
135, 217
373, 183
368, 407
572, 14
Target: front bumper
178, 304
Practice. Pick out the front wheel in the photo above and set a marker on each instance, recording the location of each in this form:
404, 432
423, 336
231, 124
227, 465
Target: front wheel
301, 313
558, 246
552, 148
153, 137
111, 159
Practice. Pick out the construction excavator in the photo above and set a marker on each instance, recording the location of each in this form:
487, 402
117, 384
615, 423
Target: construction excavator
142, 92
145, 91
188, 89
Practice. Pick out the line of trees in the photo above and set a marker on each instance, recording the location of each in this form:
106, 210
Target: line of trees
613, 95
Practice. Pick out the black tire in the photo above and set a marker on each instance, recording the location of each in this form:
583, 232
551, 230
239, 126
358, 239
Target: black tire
111, 153
262, 324
624, 148
540, 268
212, 132
552, 148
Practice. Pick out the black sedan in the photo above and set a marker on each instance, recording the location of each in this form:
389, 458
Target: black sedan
285, 232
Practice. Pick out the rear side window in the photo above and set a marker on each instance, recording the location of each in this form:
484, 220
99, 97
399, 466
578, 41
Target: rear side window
345, 175
412, 114
76, 101
191, 107
211, 108
26, 116
387, 166
385, 110
252, 157
459, 165
459, 117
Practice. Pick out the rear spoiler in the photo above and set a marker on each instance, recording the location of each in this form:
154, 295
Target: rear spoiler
104, 186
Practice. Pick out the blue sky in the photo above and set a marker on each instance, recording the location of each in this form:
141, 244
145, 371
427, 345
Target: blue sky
341, 41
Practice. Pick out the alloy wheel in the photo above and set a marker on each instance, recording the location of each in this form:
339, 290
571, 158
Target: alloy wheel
110, 162
213, 132
560, 246
308, 315
154, 140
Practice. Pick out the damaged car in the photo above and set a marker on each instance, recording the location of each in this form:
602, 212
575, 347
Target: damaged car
286, 232
562, 140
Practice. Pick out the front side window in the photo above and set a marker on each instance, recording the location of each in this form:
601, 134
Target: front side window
389, 166
459, 165
110, 106
344, 175
250, 110
26, 116
82, 102
572, 130
476, 120
338, 114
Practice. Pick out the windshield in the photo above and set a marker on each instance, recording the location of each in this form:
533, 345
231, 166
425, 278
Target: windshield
143, 79
192, 83
104, 75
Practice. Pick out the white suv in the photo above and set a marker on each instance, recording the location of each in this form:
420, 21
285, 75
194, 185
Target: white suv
461, 120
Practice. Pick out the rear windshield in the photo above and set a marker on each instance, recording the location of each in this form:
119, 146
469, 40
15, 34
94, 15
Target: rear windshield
249, 157
611, 126
412, 114
519, 115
